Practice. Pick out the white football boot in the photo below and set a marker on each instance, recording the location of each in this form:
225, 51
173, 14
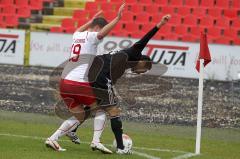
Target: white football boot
100, 147
54, 145
124, 151
73, 137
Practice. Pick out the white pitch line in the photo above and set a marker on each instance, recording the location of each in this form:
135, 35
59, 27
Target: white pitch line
42, 138
185, 156
145, 155
161, 150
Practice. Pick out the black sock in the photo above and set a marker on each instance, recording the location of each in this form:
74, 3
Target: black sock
116, 125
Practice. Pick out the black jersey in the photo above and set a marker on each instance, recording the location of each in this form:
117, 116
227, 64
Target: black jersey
108, 68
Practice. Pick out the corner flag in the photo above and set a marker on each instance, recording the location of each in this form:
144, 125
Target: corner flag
203, 59
204, 52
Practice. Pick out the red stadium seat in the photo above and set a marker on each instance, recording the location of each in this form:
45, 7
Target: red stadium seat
183, 11
199, 11
145, 1
223, 40
128, 16
207, 3
9, 10
136, 8
161, 2
7, 2
190, 38
192, 3
214, 31
175, 19
107, 6
223, 22
231, 13
81, 22
236, 4
130, 1
118, 27
110, 15
70, 30
206, 21
190, 20
171, 36
11, 20
156, 17
56, 29
196, 30
131, 27
21, 2
166, 29
236, 23
68, 23
236, 41
143, 17
176, 3
137, 34
181, 30
146, 27
91, 6
152, 9
80, 14
215, 12
223, 4
36, 4
168, 10
24, 12
231, 33
120, 33
2, 25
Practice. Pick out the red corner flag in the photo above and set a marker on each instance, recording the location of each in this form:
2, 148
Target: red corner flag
204, 52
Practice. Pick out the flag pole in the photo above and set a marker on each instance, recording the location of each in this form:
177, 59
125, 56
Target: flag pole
200, 103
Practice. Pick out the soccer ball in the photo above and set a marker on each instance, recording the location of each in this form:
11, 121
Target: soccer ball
127, 142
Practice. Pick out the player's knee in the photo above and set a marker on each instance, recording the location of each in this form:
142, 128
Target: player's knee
114, 112
116, 124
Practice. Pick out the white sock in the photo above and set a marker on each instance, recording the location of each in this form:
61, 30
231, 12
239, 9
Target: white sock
67, 126
99, 124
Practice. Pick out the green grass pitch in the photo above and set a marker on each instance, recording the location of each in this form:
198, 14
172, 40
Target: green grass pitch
22, 136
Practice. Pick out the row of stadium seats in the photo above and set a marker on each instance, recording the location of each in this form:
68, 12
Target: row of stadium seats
154, 8
12, 10
177, 3
221, 23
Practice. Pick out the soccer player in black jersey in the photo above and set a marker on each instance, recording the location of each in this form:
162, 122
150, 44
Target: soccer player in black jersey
108, 68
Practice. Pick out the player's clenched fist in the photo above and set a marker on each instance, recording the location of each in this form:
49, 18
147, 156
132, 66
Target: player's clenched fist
120, 11
164, 20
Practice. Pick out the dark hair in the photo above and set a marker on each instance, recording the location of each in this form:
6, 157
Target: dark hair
101, 22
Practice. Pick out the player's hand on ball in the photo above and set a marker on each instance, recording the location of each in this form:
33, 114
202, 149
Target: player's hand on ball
120, 11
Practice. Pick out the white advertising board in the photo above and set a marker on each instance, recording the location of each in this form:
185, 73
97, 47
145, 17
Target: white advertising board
12, 43
50, 49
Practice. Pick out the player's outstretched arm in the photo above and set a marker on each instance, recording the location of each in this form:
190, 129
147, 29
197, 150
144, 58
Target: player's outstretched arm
164, 20
86, 26
106, 29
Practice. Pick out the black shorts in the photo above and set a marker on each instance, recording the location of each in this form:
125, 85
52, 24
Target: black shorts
105, 95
